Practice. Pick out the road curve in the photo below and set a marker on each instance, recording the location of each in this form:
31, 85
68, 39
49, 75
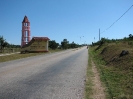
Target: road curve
57, 75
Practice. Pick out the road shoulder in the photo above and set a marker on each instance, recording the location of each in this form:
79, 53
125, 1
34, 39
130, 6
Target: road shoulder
98, 89
94, 88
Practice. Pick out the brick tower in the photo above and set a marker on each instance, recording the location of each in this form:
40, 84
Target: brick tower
25, 31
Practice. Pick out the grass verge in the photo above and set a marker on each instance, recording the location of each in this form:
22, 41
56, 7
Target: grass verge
19, 56
89, 80
100, 64
118, 81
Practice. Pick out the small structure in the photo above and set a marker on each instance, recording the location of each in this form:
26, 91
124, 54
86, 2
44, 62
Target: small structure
36, 44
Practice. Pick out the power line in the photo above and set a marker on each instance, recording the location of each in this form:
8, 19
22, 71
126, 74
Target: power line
118, 19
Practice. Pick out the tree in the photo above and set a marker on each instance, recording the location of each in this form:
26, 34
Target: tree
64, 44
53, 44
73, 45
3, 43
130, 36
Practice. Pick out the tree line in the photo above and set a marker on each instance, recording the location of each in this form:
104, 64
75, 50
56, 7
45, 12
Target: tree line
106, 40
64, 44
52, 44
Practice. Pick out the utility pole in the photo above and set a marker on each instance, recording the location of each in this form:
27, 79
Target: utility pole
99, 34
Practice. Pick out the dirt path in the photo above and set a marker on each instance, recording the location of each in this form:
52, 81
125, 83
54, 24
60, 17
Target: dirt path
98, 90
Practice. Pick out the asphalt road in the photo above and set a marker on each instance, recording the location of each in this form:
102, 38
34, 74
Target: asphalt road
58, 75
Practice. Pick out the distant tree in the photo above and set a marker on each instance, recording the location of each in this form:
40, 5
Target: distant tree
53, 44
65, 44
73, 45
130, 36
17, 46
3, 43
125, 39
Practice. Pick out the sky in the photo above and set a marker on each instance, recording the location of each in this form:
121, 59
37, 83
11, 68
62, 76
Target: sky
74, 20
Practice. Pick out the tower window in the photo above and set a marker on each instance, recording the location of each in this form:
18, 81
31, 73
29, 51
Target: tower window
26, 24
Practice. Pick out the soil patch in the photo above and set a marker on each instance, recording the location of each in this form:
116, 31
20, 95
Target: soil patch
98, 89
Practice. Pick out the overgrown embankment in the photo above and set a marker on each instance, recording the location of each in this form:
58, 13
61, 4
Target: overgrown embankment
115, 64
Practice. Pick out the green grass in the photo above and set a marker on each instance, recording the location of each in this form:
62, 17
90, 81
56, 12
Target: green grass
98, 64
19, 56
117, 76
89, 80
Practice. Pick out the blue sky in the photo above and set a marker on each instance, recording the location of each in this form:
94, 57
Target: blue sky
74, 20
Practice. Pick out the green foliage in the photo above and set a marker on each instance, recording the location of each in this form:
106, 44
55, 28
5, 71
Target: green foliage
5, 46
130, 36
73, 45
13, 46
3, 43
53, 44
65, 44
106, 40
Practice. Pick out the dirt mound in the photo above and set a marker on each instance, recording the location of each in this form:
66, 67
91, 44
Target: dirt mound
119, 55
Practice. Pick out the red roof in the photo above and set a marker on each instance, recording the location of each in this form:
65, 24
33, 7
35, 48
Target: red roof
40, 38
25, 19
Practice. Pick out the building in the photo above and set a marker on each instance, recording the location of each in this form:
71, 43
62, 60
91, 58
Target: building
25, 31
36, 44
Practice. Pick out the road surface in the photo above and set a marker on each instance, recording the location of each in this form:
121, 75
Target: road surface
57, 75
